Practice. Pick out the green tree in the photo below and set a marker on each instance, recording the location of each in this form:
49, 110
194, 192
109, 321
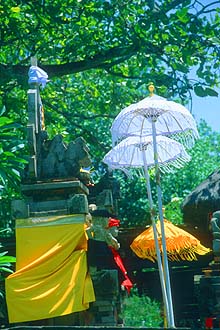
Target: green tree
134, 208
10, 144
11, 165
205, 159
149, 311
142, 40
5, 269
100, 55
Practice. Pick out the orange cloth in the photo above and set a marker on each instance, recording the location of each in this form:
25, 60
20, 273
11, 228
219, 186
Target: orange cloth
180, 244
51, 277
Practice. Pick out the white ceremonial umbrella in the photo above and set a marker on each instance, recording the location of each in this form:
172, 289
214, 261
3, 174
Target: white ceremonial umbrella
137, 152
151, 116
130, 153
170, 118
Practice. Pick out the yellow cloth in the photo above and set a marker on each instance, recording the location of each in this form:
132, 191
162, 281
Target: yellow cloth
180, 244
51, 277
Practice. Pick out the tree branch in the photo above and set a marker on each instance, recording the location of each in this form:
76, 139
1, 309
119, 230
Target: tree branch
76, 123
77, 115
106, 59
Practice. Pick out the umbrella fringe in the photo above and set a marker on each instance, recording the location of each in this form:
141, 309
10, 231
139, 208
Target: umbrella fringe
177, 163
131, 173
189, 255
164, 168
185, 248
187, 138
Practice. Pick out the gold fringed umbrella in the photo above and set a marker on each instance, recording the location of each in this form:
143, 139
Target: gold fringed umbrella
180, 244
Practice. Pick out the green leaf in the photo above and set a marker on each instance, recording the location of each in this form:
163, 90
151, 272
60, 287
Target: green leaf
181, 67
5, 121
3, 254
6, 269
211, 92
183, 15
3, 176
200, 91
3, 110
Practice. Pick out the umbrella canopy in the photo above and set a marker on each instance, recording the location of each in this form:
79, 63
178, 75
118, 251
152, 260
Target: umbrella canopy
181, 245
129, 153
137, 152
170, 118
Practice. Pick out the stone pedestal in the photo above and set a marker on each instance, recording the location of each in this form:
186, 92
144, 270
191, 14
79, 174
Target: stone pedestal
209, 296
51, 198
104, 311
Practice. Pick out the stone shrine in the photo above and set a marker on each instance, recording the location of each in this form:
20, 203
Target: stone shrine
54, 189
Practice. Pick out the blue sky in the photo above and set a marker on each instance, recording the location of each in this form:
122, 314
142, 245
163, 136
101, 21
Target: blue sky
207, 108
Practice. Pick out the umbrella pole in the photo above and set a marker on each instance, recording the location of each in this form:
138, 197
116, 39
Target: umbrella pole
163, 236
159, 262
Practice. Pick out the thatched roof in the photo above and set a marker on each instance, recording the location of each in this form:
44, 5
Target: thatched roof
204, 200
